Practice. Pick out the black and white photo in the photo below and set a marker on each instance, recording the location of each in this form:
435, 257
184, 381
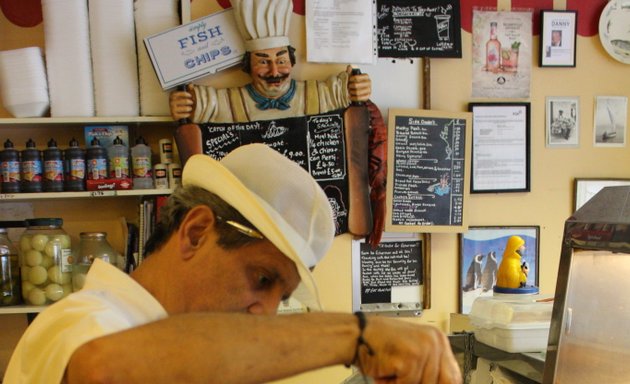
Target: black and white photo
562, 122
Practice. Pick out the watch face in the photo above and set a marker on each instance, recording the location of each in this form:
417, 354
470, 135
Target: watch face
614, 29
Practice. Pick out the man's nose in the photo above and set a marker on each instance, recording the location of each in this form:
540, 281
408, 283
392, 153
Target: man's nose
265, 305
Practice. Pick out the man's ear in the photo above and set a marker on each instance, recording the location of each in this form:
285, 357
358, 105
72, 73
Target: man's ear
195, 229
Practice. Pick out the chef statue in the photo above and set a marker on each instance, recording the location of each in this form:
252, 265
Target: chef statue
274, 94
512, 273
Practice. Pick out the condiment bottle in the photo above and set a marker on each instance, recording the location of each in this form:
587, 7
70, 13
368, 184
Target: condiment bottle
10, 166
74, 179
31, 166
96, 157
53, 168
141, 165
118, 155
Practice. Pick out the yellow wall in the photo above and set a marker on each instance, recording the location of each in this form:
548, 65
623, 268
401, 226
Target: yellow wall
552, 170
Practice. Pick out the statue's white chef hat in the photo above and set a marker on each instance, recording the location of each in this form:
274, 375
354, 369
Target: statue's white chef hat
263, 24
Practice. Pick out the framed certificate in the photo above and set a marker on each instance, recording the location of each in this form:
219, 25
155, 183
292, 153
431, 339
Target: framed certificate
500, 147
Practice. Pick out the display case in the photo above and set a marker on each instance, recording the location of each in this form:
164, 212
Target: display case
589, 338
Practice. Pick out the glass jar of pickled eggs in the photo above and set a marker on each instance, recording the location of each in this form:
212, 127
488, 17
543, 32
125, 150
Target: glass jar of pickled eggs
45, 261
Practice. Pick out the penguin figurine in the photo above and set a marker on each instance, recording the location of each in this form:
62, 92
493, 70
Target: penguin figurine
473, 275
510, 273
489, 274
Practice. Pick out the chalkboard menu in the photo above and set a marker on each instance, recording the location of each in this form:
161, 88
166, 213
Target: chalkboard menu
391, 276
427, 179
411, 28
316, 142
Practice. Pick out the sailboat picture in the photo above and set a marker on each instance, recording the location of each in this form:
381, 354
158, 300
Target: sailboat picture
610, 121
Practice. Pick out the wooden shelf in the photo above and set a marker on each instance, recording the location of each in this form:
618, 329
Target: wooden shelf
87, 120
17, 309
86, 194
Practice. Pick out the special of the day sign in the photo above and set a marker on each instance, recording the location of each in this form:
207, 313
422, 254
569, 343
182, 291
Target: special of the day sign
315, 142
196, 49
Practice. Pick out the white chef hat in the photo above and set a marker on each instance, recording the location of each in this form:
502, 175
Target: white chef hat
263, 24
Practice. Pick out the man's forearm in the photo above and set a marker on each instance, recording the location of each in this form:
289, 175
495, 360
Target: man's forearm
217, 348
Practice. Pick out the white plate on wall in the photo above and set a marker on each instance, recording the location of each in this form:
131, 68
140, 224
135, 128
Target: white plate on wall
614, 29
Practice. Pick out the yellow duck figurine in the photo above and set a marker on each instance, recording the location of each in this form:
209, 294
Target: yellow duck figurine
512, 273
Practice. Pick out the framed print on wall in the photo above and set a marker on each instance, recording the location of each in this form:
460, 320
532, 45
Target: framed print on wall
562, 126
481, 252
500, 147
558, 31
585, 188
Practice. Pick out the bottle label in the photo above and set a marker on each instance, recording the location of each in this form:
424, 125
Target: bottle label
142, 167
10, 171
53, 170
31, 171
97, 169
66, 260
161, 177
166, 151
76, 169
119, 167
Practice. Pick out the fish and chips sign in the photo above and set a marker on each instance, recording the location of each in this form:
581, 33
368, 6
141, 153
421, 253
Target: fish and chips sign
196, 49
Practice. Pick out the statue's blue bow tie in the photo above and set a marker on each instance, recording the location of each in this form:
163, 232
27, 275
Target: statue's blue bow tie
263, 103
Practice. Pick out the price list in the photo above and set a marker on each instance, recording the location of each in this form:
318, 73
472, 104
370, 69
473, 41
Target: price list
428, 173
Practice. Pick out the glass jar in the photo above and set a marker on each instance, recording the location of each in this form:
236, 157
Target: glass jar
45, 261
92, 245
9, 271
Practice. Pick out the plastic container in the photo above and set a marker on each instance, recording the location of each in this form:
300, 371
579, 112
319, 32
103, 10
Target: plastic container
10, 166
512, 324
166, 151
118, 155
45, 261
141, 165
92, 245
9, 271
160, 176
96, 158
53, 168
74, 179
174, 175
31, 168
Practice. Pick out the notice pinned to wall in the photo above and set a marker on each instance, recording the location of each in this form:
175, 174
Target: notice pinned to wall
391, 278
340, 31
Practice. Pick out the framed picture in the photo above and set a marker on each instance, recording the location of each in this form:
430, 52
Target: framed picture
585, 188
558, 31
562, 125
500, 147
610, 121
481, 252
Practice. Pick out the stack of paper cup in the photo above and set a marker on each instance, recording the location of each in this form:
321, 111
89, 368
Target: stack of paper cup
23, 84
151, 17
113, 47
68, 58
